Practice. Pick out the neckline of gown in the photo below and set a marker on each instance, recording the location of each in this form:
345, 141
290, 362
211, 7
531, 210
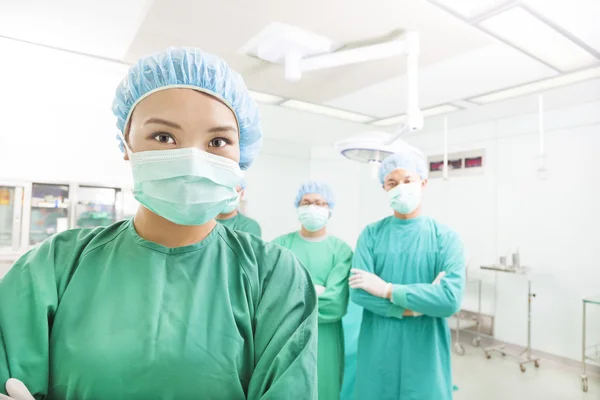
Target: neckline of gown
173, 250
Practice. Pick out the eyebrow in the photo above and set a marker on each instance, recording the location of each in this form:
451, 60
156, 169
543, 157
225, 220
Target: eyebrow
223, 128
216, 129
162, 122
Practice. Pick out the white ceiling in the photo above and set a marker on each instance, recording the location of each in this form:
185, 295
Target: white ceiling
103, 28
459, 58
480, 71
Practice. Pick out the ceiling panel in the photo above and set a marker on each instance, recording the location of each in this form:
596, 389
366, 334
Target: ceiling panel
523, 30
580, 17
470, 8
103, 28
225, 26
480, 71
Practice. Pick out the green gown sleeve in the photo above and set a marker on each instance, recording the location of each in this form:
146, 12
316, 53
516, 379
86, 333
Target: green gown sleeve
333, 303
29, 296
285, 332
441, 300
363, 259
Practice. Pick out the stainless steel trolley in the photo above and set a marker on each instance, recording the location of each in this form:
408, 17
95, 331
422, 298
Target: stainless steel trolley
525, 357
467, 324
588, 353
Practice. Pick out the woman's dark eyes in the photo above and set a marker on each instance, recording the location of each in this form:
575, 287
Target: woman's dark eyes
164, 138
218, 142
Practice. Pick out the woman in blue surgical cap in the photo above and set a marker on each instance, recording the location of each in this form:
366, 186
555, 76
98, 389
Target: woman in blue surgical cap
408, 274
328, 259
170, 304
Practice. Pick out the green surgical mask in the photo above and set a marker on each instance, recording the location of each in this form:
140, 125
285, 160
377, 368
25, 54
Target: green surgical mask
405, 198
185, 186
313, 218
231, 207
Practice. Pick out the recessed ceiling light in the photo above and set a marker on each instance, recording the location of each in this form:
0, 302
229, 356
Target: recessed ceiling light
428, 112
265, 98
538, 86
390, 121
324, 110
523, 30
437, 110
469, 8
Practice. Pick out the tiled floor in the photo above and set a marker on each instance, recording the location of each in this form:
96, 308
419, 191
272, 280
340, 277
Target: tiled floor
501, 379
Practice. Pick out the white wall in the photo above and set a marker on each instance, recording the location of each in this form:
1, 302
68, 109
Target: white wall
57, 126
553, 222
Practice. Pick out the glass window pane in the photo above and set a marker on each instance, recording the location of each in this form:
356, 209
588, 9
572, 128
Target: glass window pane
7, 213
96, 206
49, 211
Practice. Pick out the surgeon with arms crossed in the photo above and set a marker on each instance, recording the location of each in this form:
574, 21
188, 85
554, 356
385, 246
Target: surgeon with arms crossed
170, 304
232, 218
409, 275
328, 260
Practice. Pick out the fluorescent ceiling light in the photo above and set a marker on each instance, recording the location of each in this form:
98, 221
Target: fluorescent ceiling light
523, 30
391, 121
437, 110
469, 8
429, 112
324, 110
538, 86
265, 98
579, 17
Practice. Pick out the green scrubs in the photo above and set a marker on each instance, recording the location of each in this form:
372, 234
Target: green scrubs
400, 357
242, 223
105, 314
328, 261
351, 322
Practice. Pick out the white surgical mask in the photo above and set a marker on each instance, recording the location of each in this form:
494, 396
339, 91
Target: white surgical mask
406, 197
313, 218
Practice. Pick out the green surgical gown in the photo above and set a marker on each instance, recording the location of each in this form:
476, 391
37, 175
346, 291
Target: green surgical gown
242, 223
328, 261
351, 323
105, 314
400, 357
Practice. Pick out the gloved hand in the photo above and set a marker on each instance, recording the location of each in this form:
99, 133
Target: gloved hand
320, 289
437, 281
370, 283
16, 391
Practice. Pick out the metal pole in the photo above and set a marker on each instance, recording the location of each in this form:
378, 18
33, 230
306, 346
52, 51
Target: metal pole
445, 167
479, 310
583, 342
529, 319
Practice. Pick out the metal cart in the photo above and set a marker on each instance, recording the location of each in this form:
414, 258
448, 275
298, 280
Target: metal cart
525, 357
463, 325
588, 353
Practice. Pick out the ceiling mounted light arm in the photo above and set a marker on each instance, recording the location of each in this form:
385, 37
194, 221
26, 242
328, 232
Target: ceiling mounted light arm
353, 56
414, 117
373, 147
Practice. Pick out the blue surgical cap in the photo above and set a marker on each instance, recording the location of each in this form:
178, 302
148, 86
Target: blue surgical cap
192, 68
316, 187
409, 158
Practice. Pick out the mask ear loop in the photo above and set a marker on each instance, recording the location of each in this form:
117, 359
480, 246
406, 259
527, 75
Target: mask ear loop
126, 148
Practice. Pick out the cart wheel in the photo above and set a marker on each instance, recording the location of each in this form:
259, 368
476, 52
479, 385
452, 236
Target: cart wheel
584, 385
476, 342
503, 354
523, 369
536, 364
459, 349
